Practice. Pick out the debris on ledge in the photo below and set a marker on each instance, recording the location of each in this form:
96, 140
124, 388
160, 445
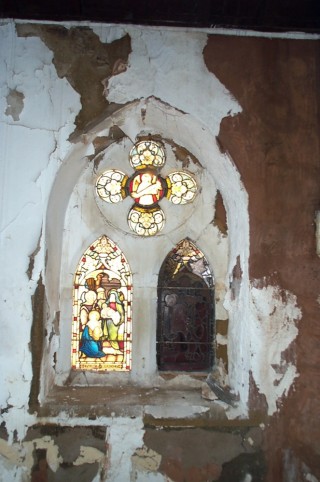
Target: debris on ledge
212, 390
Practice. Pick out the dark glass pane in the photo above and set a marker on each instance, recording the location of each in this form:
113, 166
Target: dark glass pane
185, 312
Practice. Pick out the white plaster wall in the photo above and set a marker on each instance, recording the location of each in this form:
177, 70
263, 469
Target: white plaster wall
31, 150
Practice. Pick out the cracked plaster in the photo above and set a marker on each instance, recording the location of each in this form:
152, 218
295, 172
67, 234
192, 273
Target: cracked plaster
28, 166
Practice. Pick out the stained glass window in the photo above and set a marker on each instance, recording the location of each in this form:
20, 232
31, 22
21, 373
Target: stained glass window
102, 319
110, 186
182, 188
146, 223
147, 153
185, 326
146, 187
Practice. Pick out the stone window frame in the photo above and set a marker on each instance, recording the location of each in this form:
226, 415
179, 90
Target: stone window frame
131, 122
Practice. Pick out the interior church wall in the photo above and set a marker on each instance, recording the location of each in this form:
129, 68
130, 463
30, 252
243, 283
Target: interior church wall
241, 114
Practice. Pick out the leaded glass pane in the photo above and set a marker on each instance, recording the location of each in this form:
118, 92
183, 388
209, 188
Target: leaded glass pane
147, 154
102, 319
185, 328
182, 188
110, 186
146, 222
146, 188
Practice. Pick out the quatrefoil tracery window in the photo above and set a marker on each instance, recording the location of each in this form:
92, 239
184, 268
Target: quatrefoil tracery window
146, 187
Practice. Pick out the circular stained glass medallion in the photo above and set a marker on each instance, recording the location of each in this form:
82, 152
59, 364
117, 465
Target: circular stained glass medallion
147, 154
146, 188
182, 188
110, 186
146, 222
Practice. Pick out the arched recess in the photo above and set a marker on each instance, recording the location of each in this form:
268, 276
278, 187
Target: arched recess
66, 240
102, 320
185, 320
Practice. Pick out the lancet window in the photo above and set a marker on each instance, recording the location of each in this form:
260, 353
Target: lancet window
102, 319
185, 326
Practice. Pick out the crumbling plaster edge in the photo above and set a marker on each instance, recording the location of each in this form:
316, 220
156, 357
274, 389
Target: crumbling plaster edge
294, 35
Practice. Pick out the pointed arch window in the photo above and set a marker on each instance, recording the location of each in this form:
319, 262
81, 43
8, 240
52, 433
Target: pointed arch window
185, 325
102, 295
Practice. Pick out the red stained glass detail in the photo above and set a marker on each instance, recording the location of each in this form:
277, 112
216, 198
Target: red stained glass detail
92, 248
128, 335
74, 350
129, 288
115, 248
76, 287
128, 351
127, 367
75, 318
84, 259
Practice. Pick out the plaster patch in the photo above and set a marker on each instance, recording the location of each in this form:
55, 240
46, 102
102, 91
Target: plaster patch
88, 455
273, 330
15, 101
52, 452
146, 459
9, 452
221, 339
22, 454
124, 437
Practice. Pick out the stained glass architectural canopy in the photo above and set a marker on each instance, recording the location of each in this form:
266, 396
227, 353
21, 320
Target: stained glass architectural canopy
146, 187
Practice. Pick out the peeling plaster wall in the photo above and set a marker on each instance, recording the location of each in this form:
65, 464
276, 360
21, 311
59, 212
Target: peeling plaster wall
32, 149
56, 136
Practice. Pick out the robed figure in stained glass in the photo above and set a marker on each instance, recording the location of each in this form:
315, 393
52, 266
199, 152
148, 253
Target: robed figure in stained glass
101, 334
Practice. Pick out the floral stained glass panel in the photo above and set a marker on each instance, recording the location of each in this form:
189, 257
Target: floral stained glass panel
146, 154
110, 186
102, 318
146, 222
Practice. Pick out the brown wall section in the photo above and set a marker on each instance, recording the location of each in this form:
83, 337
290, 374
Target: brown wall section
274, 143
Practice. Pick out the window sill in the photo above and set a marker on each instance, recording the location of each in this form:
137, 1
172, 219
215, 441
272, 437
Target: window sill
156, 406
